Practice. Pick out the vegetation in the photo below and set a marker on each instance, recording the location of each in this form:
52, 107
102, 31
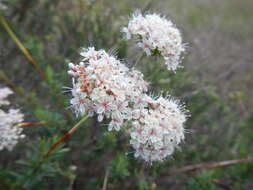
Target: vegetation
215, 84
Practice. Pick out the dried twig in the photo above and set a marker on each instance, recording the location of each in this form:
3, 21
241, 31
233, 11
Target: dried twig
198, 167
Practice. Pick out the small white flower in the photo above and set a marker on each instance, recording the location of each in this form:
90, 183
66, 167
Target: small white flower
115, 123
146, 46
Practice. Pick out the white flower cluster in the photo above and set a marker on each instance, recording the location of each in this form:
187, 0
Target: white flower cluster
158, 128
156, 34
104, 86
10, 132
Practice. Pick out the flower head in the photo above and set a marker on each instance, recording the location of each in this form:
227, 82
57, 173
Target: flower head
157, 129
102, 85
10, 132
156, 34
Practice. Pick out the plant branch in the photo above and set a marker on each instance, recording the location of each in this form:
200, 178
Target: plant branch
201, 166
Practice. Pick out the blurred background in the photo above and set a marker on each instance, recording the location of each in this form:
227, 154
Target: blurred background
216, 85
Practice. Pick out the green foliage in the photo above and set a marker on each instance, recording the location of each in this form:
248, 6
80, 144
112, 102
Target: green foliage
201, 181
119, 167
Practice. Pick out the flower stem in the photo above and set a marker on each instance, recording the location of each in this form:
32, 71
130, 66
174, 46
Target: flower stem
22, 47
67, 135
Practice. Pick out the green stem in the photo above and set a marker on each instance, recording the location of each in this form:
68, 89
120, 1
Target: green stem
21, 47
67, 135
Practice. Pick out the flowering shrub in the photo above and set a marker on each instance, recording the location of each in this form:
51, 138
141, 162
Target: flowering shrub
44, 36
105, 87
